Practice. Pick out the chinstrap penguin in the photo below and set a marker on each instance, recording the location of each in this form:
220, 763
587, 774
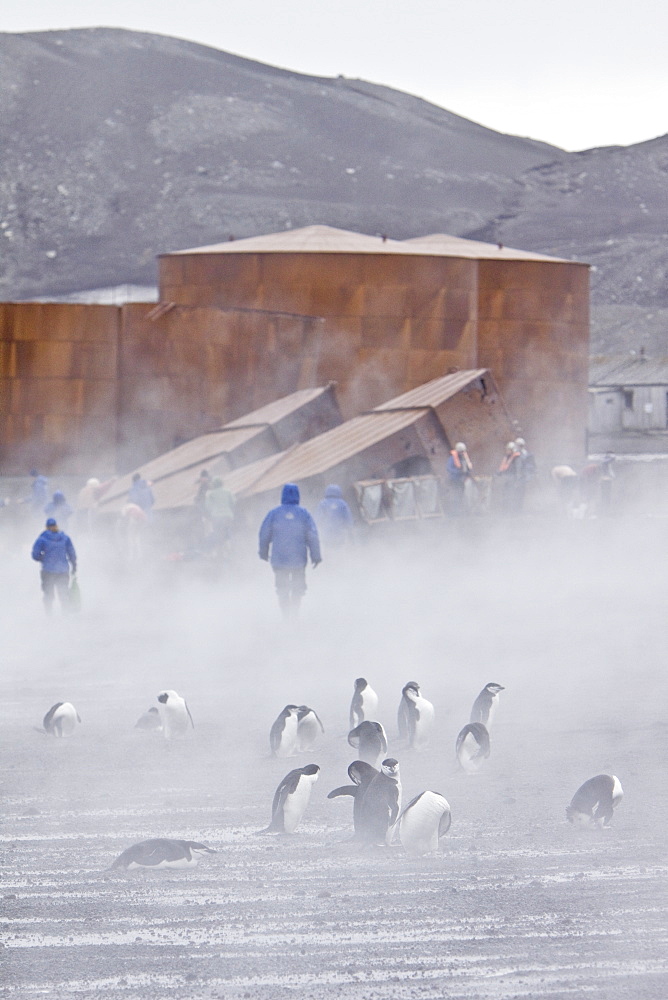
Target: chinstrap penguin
594, 802
370, 741
162, 853
283, 735
472, 747
309, 727
424, 822
364, 704
174, 714
291, 799
361, 774
61, 719
149, 721
380, 804
415, 717
486, 704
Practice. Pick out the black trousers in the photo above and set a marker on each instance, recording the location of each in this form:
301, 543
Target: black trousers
52, 582
290, 586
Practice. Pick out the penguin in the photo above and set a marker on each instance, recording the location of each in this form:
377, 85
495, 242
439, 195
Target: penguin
364, 704
291, 799
380, 804
416, 716
283, 736
370, 741
309, 727
162, 853
149, 721
361, 774
472, 747
61, 719
485, 705
594, 802
424, 822
174, 714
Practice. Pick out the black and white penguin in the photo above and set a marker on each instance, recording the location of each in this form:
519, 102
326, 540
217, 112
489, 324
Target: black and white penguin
380, 804
415, 717
283, 735
309, 727
370, 741
149, 721
424, 822
364, 704
291, 799
361, 774
486, 704
61, 719
162, 853
594, 802
174, 714
472, 747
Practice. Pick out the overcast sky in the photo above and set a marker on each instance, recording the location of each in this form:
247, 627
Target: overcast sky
576, 73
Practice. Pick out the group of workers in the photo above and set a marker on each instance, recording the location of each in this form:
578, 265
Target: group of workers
517, 469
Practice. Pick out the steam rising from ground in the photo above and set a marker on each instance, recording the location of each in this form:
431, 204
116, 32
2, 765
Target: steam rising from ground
568, 616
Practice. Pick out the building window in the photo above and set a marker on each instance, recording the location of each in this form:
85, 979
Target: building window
628, 399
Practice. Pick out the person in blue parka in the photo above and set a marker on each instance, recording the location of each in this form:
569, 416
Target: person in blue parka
333, 517
55, 551
289, 533
59, 508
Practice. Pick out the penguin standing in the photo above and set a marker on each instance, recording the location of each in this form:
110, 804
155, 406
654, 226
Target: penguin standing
370, 741
415, 717
162, 853
283, 735
309, 727
424, 822
364, 704
486, 704
174, 714
380, 804
291, 799
61, 719
149, 721
594, 802
361, 774
472, 747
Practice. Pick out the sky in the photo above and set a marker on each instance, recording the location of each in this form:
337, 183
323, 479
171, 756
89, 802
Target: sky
575, 74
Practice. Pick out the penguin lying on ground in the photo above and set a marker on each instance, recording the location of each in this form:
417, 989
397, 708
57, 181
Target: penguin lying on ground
149, 721
174, 714
162, 853
309, 727
361, 774
486, 704
364, 704
370, 741
594, 802
61, 719
380, 804
291, 799
424, 822
283, 735
472, 747
415, 717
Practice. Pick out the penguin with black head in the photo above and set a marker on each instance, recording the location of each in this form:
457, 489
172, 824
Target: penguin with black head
284, 734
291, 799
370, 741
364, 704
415, 717
485, 705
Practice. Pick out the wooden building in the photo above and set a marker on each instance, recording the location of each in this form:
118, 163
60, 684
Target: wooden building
628, 405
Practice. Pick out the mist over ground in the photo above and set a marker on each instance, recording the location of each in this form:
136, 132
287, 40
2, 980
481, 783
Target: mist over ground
568, 615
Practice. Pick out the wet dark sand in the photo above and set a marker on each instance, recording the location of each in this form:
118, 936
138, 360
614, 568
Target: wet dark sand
519, 904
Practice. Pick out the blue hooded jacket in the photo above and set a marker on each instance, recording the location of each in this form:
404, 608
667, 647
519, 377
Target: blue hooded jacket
290, 532
59, 508
333, 515
54, 550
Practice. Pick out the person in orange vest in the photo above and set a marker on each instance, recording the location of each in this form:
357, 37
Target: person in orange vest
510, 473
460, 472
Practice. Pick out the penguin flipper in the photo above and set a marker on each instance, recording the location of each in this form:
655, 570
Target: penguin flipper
189, 715
344, 790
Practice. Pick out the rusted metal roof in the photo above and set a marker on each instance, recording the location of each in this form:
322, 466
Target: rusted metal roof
327, 239
271, 413
435, 392
628, 370
335, 446
441, 244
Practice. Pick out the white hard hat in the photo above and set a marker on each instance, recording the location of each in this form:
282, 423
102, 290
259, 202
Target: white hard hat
460, 446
